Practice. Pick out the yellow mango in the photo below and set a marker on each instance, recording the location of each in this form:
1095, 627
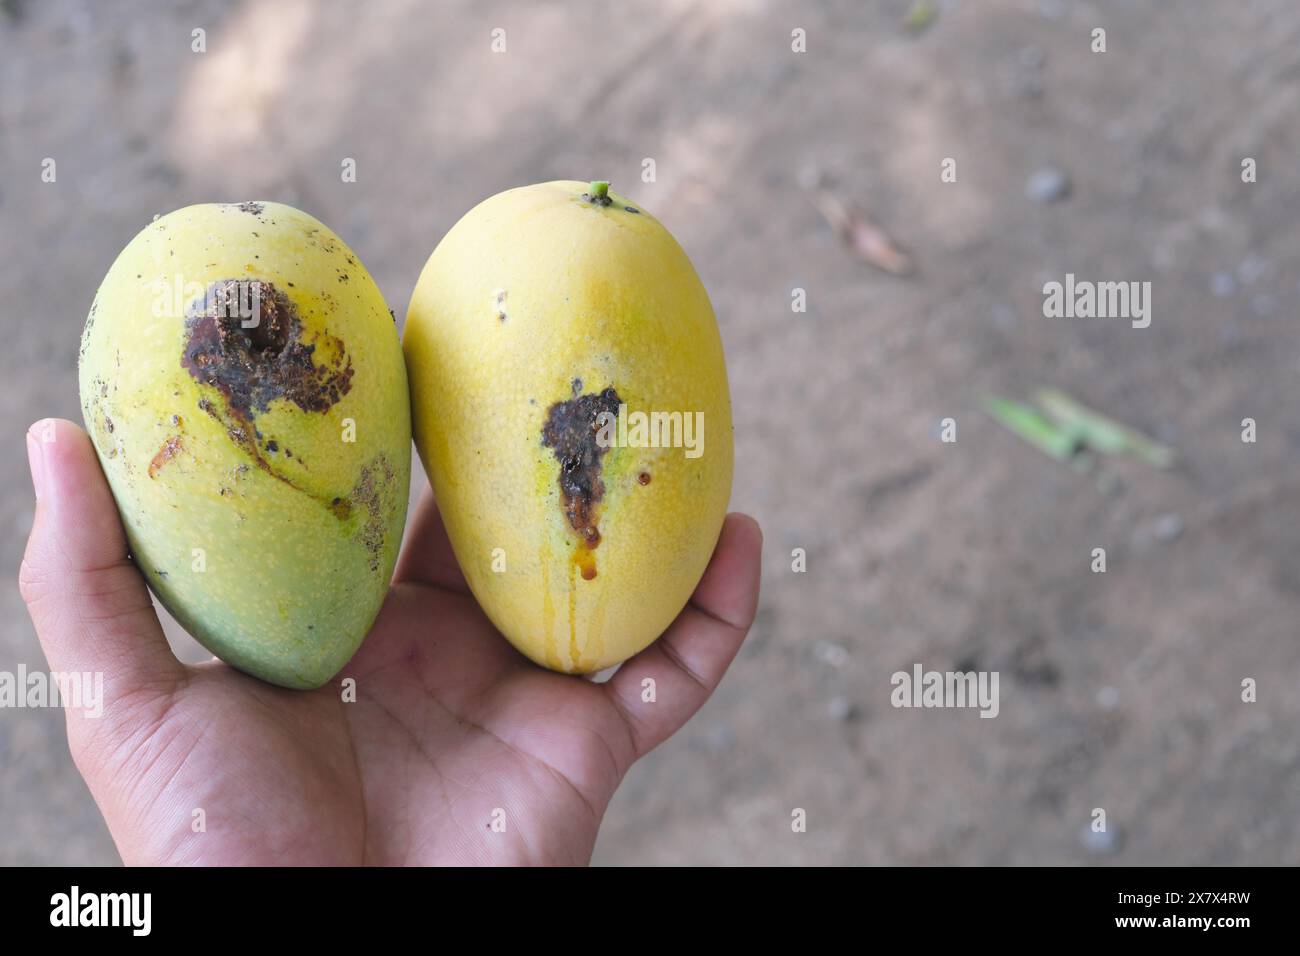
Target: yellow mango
548, 328
243, 383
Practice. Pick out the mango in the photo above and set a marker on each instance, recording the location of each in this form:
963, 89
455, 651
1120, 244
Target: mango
570, 405
243, 383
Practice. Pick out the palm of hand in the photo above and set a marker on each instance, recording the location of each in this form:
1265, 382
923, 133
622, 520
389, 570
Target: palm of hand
454, 750
413, 771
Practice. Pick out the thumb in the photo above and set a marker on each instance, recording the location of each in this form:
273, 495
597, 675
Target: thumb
88, 602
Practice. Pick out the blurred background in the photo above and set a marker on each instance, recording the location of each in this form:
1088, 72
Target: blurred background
819, 170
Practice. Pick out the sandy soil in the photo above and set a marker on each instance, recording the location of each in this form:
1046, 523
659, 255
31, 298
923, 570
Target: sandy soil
1119, 690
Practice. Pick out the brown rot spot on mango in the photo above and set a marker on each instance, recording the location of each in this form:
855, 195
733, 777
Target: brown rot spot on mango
252, 366
370, 499
644, 478
244, 338
368, 494
571, 430
165, 454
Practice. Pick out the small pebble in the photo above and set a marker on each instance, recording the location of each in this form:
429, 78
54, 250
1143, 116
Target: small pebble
1103, 843
1048, 185
1222, 284
841, 709
1168, 527
831, 654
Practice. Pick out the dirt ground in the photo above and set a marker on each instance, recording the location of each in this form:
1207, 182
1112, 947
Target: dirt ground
1119, 690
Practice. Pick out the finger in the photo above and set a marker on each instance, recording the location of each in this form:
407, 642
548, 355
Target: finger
688, 661
88, 602
427, 557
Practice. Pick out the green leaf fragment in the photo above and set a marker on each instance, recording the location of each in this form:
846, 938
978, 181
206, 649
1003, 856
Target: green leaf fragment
1058, 441
1103, 434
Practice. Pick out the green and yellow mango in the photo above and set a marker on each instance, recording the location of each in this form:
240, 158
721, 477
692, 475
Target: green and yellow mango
243, 383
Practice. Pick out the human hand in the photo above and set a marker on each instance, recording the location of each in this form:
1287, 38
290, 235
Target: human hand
450, 724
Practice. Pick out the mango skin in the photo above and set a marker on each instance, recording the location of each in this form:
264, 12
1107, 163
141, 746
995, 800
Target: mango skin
533, 289
267, 535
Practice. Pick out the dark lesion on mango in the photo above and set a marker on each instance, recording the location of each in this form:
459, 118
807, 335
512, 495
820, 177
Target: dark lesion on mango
249, 368
252, 366
571, 430
370, 499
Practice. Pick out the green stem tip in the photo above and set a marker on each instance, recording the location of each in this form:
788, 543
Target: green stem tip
599, 188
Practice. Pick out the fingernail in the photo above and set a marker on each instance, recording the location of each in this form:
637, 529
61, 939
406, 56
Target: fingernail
36, 459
